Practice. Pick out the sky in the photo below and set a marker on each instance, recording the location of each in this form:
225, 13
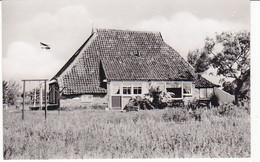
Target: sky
66, 24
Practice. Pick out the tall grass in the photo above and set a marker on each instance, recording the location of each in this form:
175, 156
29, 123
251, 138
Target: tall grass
167, 133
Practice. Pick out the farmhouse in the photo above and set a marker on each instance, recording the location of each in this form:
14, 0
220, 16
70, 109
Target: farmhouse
114, 65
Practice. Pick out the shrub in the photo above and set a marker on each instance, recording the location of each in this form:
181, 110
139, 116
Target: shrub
214, 100
139, 103
230, 110
176, 115
224, 110
157, 99
245, 104
192, 105
67, 108
98, 107
181, 115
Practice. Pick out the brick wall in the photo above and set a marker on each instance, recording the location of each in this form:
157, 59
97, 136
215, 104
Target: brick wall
76, 102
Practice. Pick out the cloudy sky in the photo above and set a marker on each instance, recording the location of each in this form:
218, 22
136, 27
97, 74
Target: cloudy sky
66, 24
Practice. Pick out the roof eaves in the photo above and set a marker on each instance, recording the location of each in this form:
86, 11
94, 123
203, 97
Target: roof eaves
202, 82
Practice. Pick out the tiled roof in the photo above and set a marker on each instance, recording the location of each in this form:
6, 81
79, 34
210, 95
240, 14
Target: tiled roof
124, 55
201, 82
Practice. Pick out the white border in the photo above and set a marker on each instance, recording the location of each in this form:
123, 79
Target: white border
255, 79
255, 102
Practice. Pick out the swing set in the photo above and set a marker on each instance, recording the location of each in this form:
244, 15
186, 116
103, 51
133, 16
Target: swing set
35, 107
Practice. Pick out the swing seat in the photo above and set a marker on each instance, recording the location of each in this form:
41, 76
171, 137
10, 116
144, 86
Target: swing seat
51, 107
34, 108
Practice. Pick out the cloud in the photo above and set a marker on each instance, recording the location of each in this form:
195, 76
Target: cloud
69, 27
64, 30
185, 32
24, 61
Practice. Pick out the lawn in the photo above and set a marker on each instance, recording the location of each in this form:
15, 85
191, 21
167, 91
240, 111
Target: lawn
168, 133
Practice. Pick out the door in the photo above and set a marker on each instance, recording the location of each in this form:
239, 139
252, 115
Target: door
116, 102
54, 94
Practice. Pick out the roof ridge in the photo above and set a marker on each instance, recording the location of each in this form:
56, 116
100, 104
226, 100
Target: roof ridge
127, 30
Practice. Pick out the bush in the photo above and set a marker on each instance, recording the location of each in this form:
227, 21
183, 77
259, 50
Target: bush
98, 107
139, 103
230, 110
192, 105
181, 115
245, 104
214, 100
67, 108
176, 115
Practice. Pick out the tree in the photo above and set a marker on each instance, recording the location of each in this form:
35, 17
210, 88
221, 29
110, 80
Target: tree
228, 87
5, 89
229, 53
10, 92
199, 60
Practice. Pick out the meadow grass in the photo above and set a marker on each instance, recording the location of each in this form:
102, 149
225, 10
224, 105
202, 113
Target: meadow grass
168, 133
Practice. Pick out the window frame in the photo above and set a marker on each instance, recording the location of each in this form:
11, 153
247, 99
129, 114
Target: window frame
85, 98
208, 94
178, 84
187, 94
137, 88
128, 88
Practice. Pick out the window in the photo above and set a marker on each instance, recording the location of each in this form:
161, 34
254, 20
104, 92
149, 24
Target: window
87, 98
187, 88
206, 92
174, 92
203, 93
209, 92
137, 90
173, 85
118, 91
174, 89
138, 53
126, 90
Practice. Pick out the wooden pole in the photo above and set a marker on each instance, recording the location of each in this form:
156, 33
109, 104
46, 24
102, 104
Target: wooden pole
40, 96
34, 98
45, 91
23, 100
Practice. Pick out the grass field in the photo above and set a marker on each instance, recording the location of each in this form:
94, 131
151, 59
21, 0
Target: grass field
167, 133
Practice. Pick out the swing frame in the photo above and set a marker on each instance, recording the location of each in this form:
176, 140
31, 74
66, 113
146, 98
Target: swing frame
45, 92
